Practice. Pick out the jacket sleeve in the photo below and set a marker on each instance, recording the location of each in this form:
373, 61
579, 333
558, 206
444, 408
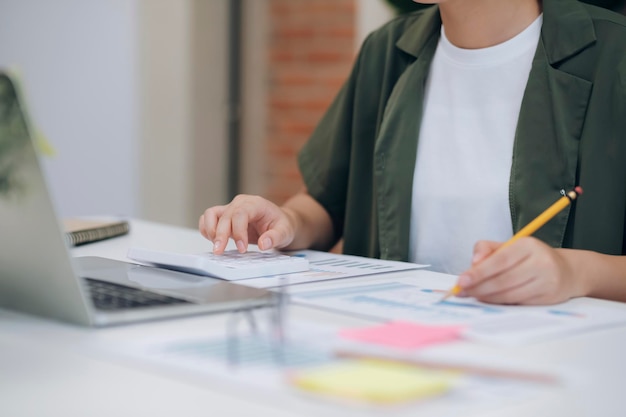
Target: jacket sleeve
324, 160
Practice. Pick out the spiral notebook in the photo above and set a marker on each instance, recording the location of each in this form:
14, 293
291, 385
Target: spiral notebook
82, 231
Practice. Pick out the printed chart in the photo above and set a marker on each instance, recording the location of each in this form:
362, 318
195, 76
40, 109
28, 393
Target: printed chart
485, 322
326, 266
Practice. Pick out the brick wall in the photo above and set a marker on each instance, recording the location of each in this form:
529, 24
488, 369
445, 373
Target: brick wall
311, 49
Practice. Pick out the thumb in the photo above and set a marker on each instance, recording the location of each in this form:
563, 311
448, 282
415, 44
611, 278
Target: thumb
273, 238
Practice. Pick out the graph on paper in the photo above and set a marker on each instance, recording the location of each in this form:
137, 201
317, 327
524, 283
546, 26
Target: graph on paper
244, 351
326, 266
398, 301
486, 322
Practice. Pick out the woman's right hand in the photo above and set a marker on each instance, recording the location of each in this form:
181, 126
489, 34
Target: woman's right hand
248, 219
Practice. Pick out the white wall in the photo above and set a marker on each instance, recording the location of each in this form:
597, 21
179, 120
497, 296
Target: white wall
164, 54
184, 115
77, 60
255, 23
131, 94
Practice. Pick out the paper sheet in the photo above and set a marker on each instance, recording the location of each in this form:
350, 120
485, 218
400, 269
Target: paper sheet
326, 266
484, 322
254, 364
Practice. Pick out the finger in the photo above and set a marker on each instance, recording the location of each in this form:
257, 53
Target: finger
241, 211
504, 286
537, 295
495, 264
223, 231
202, 227
512, 294
208, 221
239, 226
266, 242
276, 237
271, 239
484, 248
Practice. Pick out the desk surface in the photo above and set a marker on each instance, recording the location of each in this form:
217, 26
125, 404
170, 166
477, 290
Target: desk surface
49, 368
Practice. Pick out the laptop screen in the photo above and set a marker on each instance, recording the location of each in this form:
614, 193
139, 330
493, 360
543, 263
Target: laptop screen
36, 272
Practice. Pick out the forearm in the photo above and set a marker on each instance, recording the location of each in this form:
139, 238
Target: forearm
312, 225
598, 275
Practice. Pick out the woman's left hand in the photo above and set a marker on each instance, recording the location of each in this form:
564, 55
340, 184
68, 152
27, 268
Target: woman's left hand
526, 272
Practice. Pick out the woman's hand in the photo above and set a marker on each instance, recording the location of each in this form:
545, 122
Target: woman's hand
300, 223
526, 272
248, 219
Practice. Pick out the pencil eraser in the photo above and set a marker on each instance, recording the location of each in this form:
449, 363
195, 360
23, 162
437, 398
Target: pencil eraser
578, 189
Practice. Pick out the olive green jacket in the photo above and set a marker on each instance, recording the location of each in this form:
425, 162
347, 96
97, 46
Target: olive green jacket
571, 131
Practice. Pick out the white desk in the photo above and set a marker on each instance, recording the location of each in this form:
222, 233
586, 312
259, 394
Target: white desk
52, 369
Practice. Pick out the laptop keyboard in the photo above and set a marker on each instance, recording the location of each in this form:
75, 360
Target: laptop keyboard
109, 296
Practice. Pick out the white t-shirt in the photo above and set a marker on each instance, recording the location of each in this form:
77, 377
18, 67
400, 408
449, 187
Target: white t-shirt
465, 148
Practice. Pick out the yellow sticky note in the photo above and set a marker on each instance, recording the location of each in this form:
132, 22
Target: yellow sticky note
374, 381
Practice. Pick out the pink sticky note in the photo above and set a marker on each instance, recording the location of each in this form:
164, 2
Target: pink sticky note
404, 335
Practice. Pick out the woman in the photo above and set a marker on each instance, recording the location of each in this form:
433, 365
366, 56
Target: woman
461, 123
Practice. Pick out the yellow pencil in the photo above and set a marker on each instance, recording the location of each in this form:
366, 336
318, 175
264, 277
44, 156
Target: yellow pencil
533, 226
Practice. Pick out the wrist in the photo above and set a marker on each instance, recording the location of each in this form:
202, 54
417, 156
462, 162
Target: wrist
292, 217
577, 264
295, 223
603, 276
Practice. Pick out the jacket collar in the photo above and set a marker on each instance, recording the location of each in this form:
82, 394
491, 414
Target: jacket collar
567, 29
416, 37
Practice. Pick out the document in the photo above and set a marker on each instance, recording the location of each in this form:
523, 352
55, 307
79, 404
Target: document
326, 266
497, 324
253, 363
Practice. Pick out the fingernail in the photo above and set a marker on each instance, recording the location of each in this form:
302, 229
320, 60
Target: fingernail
266, 244
464, 281
462, 294
217, 245
240, 246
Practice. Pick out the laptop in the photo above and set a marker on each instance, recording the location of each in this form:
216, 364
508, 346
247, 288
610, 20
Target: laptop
39, 276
